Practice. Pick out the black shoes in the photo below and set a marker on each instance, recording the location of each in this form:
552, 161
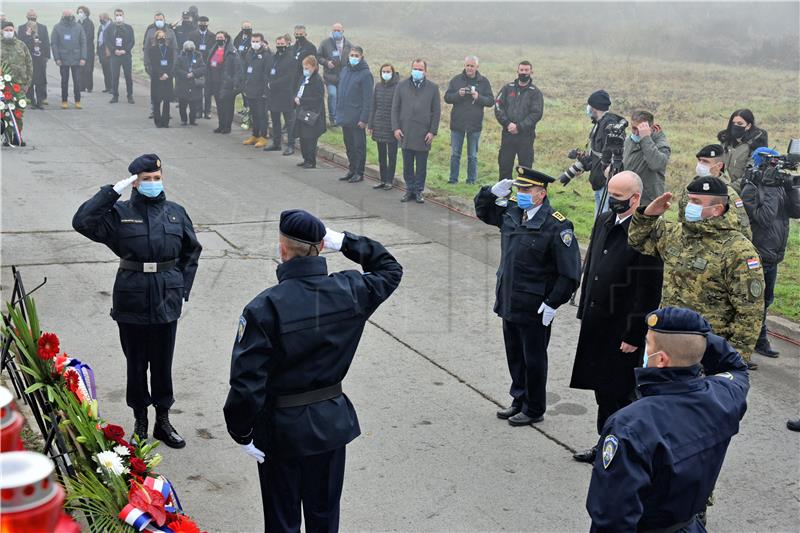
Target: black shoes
347, 176
764, 348
356, 178
207, 116
406, 197
378, 186
309, 164
140, 424
752, 366
521, 419
130, 100
301, 163
586, 456
418, 198
164, 431
794, 425
289, 150
114, 100
508, 412
273, 148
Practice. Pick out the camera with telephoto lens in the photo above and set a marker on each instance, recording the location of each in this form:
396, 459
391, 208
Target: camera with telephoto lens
581, 164
771, 169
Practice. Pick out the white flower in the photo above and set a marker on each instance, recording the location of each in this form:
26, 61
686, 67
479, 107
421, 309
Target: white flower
11, 106
2, 105
111, 462
7, 77
121, 451
22, 104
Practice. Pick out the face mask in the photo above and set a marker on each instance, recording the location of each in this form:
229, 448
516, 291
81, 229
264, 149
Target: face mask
8, 35
189, 49
220, 42
702, 170
387, 76
417, 75
151, 189
737, 131
159, 24
306, 73
81, 16
619, 206
589, 111
299, 38
186, 23
693, 212
247, 31
355, 61
524, 78
524, 200
119, 19
337, 35
31, 19
280, 49
256, 46
68, 19
203, 27
645, 357
635, 138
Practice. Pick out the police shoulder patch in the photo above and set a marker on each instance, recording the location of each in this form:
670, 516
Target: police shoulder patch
242, 326
558, 216
610, 446
567, 237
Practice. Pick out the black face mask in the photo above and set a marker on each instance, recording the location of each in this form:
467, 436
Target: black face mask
203, 27
619, 206
31, 19
247, 31
220, 42
524, 78
737, 131
299, 38
280, 49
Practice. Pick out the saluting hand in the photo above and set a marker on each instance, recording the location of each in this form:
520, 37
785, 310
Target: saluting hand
659, 206
124, 184
332, 240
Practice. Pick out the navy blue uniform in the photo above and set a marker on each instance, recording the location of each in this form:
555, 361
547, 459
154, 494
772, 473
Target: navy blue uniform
299, 336
662, 454
539, 263
145, 304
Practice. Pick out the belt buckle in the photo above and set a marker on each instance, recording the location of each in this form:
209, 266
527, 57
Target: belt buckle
149, 267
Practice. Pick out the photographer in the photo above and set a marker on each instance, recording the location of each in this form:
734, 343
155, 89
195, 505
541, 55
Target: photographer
771, 197
646, 152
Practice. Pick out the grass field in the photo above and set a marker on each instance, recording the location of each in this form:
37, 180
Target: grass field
691, 101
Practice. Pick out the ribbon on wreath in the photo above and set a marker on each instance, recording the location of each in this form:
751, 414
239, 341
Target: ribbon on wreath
162, 485
86, 387
142, 521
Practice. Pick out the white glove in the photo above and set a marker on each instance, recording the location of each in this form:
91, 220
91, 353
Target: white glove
251, 450
547, 312
184, 309
333, 239
502, 188
124, 184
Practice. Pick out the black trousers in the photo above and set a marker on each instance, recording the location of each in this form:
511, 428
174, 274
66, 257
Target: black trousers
153, 345
415, 169
609, 403
224, 111
76, 82
258, 116
308, 149
387, 160
161, 112
207, 95
37, 92
288, 120
105, 62
355, 143
314, 480
526, 352
123, 62
194, 105
87, 74
518, 146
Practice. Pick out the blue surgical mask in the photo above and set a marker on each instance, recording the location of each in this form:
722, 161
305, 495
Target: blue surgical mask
159, 24
355, 61
337, 35
387, 76
635, 138
306, 73
589, 111
151, 189
524, 200
693, 212
645, 357
417, 75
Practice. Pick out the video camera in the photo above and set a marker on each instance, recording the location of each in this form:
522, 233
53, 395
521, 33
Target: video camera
771, 169
615, 140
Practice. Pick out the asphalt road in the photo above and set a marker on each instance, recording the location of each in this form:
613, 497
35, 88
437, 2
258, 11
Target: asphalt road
430, 371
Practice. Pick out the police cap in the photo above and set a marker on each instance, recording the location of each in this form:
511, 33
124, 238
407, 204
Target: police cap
678, 320
145, 163
712, 150
527, 177
708, 186
302, 226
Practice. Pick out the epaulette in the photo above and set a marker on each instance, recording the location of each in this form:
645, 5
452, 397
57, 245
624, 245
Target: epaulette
558, 216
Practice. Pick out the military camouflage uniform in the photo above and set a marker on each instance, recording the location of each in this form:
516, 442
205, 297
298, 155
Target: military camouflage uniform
736, 212
710, 267
17, 58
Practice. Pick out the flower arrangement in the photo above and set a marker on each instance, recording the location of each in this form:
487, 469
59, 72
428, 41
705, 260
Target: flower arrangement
246, 118
115, 485
12, 105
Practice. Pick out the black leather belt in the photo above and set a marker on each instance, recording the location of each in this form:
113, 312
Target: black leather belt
307, 398
673, 528
136, 266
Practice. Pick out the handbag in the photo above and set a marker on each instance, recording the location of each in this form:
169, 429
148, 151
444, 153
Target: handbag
200, 82
308, 118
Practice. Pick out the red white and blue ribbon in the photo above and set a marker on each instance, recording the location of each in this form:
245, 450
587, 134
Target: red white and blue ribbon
86, 374
162, 485
141, 521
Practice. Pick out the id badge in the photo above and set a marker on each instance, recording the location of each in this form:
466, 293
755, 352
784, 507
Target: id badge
67, 37
194, 61
164, 62
335, 53
202, 47
272, 72
241, 48
118, 42
250, 70
213, 63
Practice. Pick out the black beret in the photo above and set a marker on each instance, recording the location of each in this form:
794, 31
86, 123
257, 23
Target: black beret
145, 163
202, 18
600, 100
708, 185
527, 177
186, 14
678, 320
302, 226
712, 150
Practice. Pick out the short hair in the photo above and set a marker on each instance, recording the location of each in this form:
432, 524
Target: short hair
299, 249
287, 37
119, 10
642, 116
311, 61
281, 37
259, 35
158, 14
299, 27
84, 9
356, 48
420, 60
684, 349
525, 62
473, 58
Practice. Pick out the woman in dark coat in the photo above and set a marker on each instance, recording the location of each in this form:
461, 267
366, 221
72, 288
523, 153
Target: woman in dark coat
190, 72
87, 70
162, 68
380, 125
739, 139
310, 98
225, 79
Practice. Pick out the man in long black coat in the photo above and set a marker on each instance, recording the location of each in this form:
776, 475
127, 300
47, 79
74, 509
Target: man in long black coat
282, 85
620, 286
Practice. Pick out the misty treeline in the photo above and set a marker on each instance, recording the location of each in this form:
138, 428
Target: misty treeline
730, 33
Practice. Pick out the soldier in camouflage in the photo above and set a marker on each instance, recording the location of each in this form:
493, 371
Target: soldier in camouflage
709, 265
16, 57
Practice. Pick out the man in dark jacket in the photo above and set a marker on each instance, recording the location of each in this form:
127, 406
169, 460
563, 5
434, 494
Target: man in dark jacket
36, 38
518, 108
241, 43
292, 351
353, 107
302, 47
158, 250
205, 42
186, 30
87, 71
770, 203
620, 287
103, 22
281, 86
469, 92
332, 54
68, 43
540, 266
257, 62
119, 40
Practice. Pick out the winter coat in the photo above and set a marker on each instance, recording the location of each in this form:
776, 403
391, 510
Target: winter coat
770, 209
88, 31
161, 89
737, 152
123, 32
328, 51
150, 39
312, 99
68, 42
38, 42
282, 82
185, 33
299, 52
204, 43
225, 80
186, 88
256, 67
15, 54
620, 287
241, 43
380, 118
354, 94
467, 114
416, 112
523, 106
648, 158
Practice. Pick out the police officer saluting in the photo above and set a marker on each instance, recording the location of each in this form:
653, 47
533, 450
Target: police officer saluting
293, 348
158, 252
661, 455
539, 270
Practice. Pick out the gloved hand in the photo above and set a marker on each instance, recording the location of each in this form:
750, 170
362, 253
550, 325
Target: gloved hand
547, 312
333, 239
121, 185
251, 450
502, 188
564, 179
184, 309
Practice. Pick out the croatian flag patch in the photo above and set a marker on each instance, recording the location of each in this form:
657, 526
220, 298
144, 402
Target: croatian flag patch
753, 262
739, 202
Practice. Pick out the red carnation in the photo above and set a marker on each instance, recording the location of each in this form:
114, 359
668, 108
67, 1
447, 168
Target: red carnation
113, 432
183, 524
7, 94
48, 346
138, 466
72, 381
16, 87
18, 113
148, 501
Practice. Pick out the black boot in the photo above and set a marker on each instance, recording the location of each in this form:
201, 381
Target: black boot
140, 424
164, 431
587, 456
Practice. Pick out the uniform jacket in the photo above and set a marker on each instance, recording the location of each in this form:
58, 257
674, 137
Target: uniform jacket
15, 54
313, 99
40, 51
380, 116
523, 106
282, 82
770, 209
416, 112
328, 51
88, 31
354, 94
467, 114
186, 88
662, 454
186, 32
737, 152
150, 39
146, 230
256, 68
710, 267
539, 259
161, 89
123, 32
648, 158
68, 42
620, 287
225, 80
736, 212
301, 335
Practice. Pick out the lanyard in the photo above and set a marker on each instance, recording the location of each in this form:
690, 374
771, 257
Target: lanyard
163, 51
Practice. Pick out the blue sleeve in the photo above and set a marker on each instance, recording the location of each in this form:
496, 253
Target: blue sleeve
382, 272
723, 364
95, 218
